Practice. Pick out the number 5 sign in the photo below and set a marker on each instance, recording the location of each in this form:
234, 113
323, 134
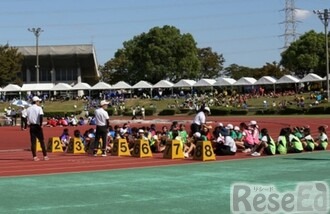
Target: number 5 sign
141, 149
120, 148
204, 151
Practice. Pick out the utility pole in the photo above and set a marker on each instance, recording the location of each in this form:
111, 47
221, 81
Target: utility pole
324, 17
36, 32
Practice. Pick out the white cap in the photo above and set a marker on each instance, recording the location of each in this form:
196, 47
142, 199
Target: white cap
220, 124
141, 131
36, 99
230, 126
197, 134
236, 128
253, 122
104, 102
207, 109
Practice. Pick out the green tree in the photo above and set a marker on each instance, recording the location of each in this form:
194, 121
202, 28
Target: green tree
306, 54
211, 63
272, 69
10, 65
162, 53
236, 71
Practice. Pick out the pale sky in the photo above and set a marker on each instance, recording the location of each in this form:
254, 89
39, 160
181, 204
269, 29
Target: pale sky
246, 32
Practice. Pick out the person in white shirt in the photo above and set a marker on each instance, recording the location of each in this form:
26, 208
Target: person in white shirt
34, 118
199, 120
227, 147
102, 121
23, 118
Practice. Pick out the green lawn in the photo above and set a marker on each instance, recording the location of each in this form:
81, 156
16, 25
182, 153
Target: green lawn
69, 106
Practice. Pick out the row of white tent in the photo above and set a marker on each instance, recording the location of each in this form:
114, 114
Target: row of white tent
222, 81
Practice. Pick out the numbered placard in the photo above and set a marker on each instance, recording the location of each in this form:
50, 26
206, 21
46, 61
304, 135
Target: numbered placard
92, 147
120, 148
54, 145
38, 145
173, 150
76, 146
204, 151
141, 149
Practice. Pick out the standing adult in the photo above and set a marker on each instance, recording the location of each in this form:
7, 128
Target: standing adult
199, 120
102, 120
35, 118
23, 118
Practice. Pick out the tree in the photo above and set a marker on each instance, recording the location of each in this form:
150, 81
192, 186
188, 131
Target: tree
272, 69
162, 53
306, 54
211, 63
10, 65
236, 71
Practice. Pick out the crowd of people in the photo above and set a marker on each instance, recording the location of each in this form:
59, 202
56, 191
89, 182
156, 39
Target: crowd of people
226, 139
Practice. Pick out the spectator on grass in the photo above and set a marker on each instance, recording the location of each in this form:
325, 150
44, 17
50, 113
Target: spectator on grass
81, 121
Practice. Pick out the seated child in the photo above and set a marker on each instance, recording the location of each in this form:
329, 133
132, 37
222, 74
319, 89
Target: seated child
65, 139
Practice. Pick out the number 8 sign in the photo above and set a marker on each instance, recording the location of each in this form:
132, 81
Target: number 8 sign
204, 151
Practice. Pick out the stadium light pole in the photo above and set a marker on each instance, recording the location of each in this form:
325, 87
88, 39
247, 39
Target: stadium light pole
324, 17
36, 32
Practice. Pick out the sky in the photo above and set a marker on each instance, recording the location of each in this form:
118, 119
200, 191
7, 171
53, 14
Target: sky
245, 32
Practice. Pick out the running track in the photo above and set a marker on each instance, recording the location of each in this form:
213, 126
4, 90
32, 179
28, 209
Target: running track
16, 160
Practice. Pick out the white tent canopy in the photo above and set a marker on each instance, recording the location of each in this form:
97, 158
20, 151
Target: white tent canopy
266, 80
163, 84
12, 87
311, 78
245, 81
184, 83
121, 85
287, 79
81, 86
37, 87
204, 82
142, 84
224, 81
101, 86
62, 87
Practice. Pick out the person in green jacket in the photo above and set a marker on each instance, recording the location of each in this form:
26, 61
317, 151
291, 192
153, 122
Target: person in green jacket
282, 141
308, 141
294, 145
267, 144
321, 142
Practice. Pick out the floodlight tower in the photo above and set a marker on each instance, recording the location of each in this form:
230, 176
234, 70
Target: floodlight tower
324, 16
36, 32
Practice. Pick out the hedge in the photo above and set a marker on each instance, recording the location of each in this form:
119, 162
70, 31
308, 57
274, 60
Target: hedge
167, 112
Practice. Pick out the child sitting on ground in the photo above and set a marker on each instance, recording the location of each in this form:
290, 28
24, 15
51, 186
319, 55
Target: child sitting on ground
65, 139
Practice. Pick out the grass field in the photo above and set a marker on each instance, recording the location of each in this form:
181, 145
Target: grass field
69, 106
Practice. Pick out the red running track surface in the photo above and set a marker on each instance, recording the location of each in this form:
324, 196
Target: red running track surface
16, 160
